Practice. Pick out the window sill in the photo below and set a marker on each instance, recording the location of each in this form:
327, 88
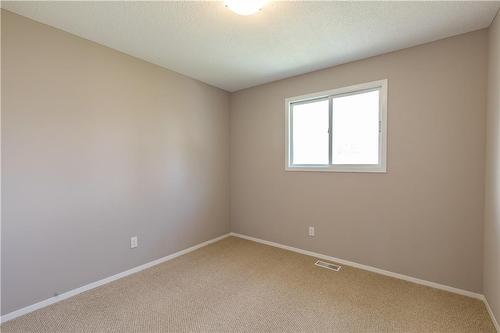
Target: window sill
344, 169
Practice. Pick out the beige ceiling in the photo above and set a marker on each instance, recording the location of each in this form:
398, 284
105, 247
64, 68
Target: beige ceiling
206, 41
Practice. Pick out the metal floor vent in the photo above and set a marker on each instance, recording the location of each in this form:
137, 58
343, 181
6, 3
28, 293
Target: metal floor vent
328, 265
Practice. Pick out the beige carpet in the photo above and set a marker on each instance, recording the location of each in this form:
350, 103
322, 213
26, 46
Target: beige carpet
240, 286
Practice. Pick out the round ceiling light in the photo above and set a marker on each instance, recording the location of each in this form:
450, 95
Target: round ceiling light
245, 7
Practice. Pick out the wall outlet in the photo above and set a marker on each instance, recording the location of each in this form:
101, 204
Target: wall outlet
133, 242
311, 231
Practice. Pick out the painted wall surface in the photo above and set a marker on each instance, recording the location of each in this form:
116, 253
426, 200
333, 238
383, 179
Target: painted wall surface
491, 278
108, 146
97, 147
423, 217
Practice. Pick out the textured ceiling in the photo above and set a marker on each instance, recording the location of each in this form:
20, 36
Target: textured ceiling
206, 41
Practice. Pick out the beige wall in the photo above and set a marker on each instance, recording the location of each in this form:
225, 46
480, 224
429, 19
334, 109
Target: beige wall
491, 278
108, 146
97, 147
424, 216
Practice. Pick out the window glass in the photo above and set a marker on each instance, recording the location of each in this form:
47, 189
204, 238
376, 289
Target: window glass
355, 123
310, 133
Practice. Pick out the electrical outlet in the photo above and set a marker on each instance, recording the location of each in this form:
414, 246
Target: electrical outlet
133, 242
311, 231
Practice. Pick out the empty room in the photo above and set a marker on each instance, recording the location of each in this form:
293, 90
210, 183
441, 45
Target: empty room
250, 166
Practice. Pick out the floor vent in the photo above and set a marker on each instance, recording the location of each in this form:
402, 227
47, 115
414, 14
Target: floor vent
328, 265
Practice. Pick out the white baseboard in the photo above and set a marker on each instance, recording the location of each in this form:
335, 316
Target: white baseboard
365, 267
68, 294
55, 299
490, 311
379, 271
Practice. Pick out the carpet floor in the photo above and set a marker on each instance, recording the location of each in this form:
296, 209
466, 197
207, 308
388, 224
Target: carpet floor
236, 285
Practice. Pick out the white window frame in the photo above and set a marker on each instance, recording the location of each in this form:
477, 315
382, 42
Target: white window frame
381, 86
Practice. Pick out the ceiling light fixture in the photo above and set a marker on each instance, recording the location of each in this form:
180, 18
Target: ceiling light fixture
245, 7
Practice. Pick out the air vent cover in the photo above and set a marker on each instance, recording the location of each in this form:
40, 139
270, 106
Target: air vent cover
328, 265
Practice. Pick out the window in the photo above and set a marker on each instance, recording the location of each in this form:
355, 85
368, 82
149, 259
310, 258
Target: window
338, 130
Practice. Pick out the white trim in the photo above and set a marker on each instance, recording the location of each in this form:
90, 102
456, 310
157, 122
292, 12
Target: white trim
365, 267
490, 311
381, 167
380, 271
71, 293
